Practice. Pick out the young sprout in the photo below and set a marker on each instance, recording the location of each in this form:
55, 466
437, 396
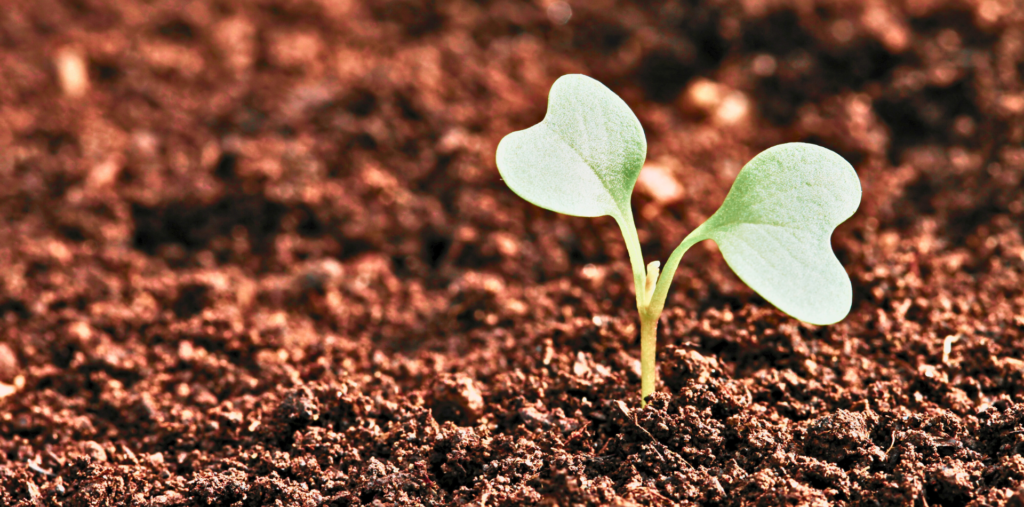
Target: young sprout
773, 229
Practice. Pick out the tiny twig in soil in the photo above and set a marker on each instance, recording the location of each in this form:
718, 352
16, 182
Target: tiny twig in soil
655, 447
644, 430
947, 346
577, 432
892, 444
36, 468
663, 497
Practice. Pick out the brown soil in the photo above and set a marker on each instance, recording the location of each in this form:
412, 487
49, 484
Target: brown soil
256, 252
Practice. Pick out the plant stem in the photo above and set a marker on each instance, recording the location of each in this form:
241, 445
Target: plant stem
648, 352
650, 304
657, 302
651, 312
636, 256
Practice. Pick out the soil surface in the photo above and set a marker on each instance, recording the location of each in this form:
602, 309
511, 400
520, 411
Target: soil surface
256, 252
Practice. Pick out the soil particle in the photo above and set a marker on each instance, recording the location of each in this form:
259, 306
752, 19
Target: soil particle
9, 366
456, 398
299, 407
682, 366
841, 437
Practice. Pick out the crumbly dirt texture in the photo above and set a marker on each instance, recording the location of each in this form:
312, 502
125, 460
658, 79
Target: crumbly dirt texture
257, 252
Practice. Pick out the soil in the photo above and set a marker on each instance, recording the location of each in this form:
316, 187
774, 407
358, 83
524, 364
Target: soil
258, 253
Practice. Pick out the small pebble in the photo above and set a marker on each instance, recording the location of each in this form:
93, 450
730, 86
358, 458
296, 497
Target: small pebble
9, 366
94, 451
657, 181
72, 72
457, 398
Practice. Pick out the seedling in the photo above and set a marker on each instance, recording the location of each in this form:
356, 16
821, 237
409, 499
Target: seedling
773, 228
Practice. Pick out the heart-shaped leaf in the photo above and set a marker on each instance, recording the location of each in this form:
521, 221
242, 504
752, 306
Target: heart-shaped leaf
774, 229
583, 158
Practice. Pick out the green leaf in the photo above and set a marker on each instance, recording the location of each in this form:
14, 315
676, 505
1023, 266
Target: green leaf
583, 158
774, 229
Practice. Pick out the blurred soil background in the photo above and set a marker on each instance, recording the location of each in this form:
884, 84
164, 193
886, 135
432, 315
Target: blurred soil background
256, 252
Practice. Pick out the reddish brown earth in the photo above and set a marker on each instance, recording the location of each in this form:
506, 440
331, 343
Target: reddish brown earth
256, 252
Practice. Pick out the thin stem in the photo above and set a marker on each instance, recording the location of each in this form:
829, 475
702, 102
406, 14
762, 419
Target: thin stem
657, 302
650, 305
636, 256
648, 352
651, 312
